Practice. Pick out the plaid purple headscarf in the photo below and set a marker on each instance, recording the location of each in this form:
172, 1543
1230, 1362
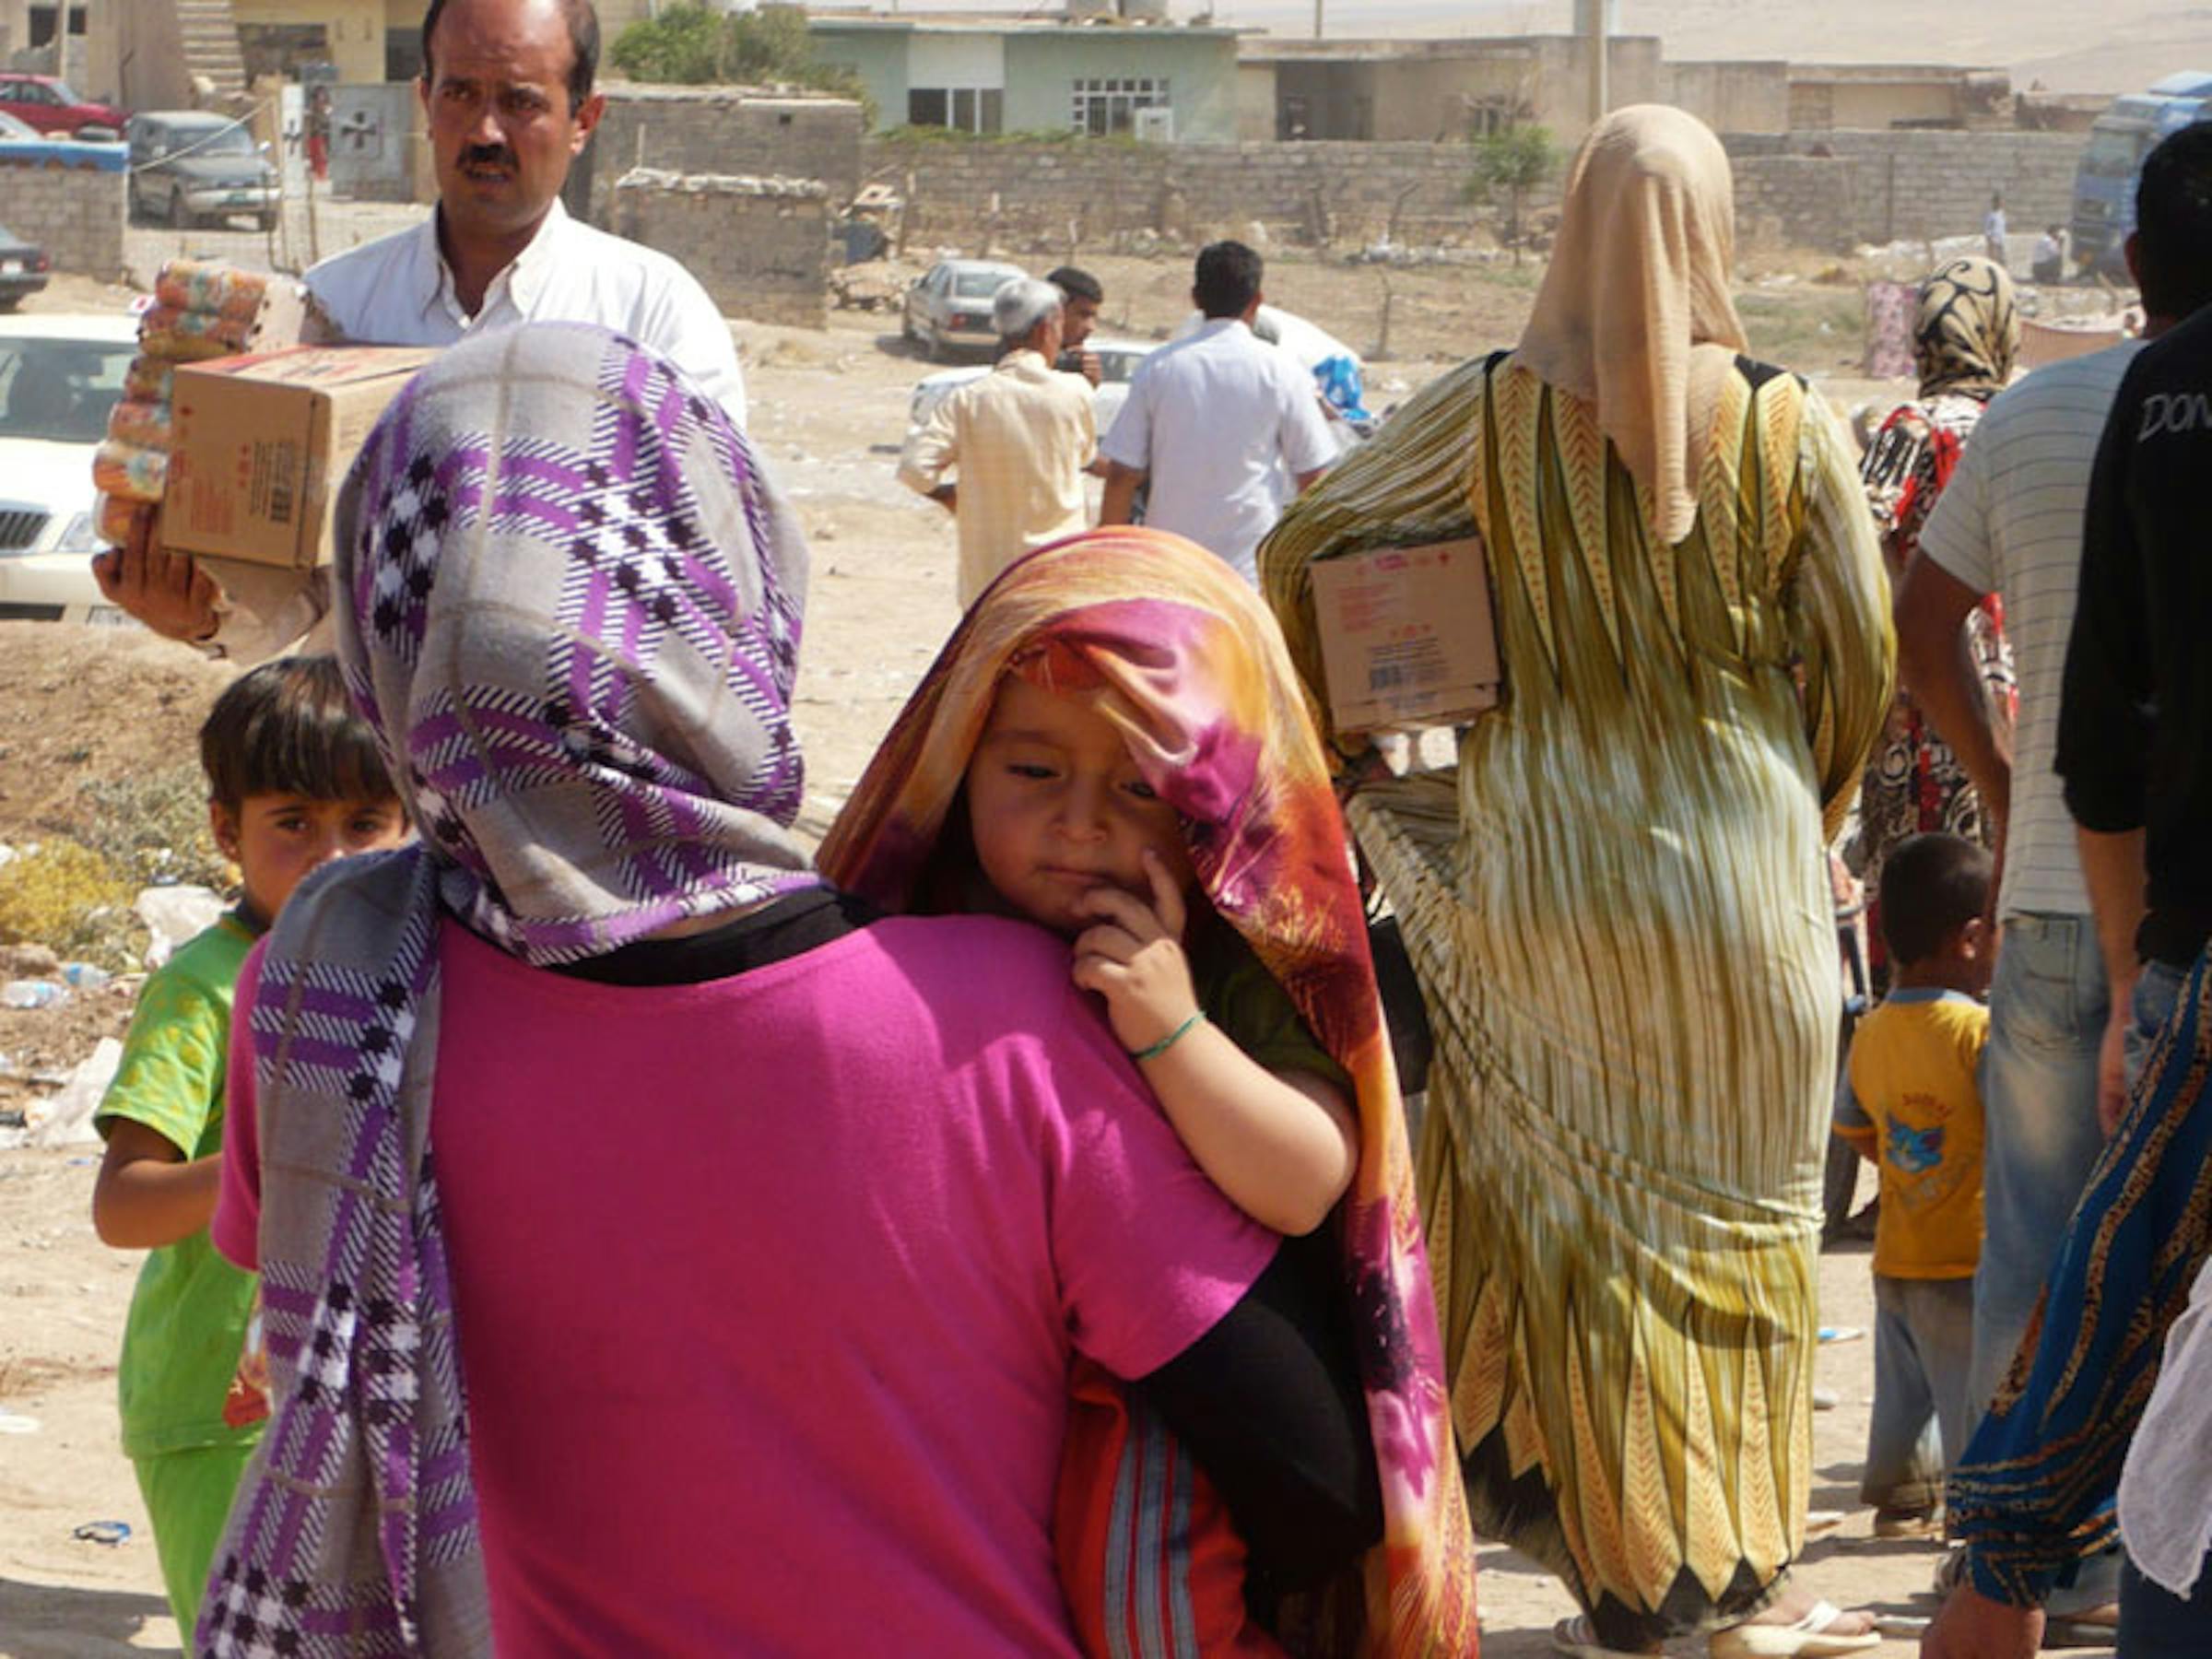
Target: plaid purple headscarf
573, 615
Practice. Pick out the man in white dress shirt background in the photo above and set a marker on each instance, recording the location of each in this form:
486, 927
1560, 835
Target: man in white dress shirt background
1211, 419
508, 93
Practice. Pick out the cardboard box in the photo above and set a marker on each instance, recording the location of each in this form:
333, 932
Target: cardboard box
1407, 639
260, 444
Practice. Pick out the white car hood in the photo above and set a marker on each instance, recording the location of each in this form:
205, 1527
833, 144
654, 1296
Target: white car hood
35, 472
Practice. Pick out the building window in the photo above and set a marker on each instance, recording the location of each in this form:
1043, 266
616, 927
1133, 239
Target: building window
1103, 107
1492, 116
963, 109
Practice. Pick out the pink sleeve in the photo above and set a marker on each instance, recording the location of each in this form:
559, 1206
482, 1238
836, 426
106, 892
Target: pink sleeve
236, 1225
1150, 1254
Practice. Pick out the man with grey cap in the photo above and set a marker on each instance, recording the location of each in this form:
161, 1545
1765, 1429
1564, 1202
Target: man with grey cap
1018, 439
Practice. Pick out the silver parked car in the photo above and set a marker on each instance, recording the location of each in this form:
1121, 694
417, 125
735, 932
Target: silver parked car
189, 167
949, 305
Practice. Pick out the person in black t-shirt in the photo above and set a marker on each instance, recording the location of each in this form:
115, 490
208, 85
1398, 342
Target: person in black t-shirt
2134, 739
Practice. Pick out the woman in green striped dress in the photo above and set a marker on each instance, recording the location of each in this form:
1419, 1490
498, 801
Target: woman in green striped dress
1617, 905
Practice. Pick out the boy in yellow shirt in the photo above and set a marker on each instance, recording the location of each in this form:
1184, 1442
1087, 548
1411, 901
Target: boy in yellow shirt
1914, 1108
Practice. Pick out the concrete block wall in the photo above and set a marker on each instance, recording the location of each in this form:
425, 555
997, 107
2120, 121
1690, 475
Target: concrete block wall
1047, 195
1824, 190
760, 246
74, 211
729, 131
1836, 190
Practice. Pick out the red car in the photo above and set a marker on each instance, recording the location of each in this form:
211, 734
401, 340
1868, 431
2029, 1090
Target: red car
47, 104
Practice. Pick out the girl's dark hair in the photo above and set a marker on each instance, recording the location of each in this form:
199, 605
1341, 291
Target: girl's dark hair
287, 727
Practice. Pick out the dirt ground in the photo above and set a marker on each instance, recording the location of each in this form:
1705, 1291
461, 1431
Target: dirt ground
828, 413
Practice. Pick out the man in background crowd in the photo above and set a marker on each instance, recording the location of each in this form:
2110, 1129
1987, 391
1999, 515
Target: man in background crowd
1082, 294
1210, 418
1019, 439
2125, 709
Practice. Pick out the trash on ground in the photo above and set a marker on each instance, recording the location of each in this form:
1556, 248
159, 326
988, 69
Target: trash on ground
65, 1118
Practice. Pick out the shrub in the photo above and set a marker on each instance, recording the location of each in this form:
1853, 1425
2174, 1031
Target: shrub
68, 898
1509, 165
153, 829
687, 45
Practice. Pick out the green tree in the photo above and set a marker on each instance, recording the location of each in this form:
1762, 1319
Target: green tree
1509, 165
687, 44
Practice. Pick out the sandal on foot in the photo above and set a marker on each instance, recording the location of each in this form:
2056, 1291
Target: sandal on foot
1576, 1638
1812, 1637
1907, 1523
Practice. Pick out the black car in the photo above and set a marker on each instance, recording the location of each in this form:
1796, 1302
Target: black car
24, 268
188, 166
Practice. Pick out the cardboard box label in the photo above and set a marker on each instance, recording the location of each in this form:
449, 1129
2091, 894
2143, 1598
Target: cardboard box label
1407, 638
259, 443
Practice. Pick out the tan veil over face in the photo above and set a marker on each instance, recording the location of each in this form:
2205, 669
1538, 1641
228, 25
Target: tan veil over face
1635, 314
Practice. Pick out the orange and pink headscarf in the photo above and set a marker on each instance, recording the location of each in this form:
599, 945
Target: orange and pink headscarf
1168, 644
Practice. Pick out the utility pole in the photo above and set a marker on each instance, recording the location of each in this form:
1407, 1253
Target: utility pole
1590, 24
1317, 4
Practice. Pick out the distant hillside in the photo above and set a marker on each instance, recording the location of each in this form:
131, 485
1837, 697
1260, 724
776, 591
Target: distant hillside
2110, 46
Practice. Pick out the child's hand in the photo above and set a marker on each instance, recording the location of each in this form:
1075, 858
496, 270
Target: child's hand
1133, 958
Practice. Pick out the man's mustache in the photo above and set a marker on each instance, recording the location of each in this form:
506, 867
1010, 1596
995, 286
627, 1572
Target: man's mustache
488, 155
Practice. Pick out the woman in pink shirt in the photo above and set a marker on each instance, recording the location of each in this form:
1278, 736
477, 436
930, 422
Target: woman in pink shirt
661, 1253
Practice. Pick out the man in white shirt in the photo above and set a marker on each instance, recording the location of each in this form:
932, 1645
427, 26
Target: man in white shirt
507, 89
1211, 418
1019, 439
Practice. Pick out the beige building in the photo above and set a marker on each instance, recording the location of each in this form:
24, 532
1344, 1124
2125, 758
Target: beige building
146, 54
46, 37
1871, 97
1430, 90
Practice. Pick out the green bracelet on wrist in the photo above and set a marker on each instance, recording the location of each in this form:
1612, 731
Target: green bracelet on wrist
1153, 1050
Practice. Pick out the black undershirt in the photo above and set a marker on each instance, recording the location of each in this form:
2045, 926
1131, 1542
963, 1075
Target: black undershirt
1268, 1401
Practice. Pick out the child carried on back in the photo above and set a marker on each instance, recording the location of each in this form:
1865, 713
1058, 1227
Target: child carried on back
1113, 746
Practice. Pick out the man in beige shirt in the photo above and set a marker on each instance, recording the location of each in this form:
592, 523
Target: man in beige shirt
1019, 439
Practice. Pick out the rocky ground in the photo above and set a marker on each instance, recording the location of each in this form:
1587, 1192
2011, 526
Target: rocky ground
828, 412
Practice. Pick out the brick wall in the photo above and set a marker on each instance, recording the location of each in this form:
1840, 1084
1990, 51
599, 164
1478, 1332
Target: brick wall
1826, 189
731, 130
760, 246
1023, 194
1835, 190
1818, 190
74, 211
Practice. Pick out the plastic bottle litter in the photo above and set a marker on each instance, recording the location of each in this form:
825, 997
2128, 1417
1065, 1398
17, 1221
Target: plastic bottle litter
85, 976
32, 994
